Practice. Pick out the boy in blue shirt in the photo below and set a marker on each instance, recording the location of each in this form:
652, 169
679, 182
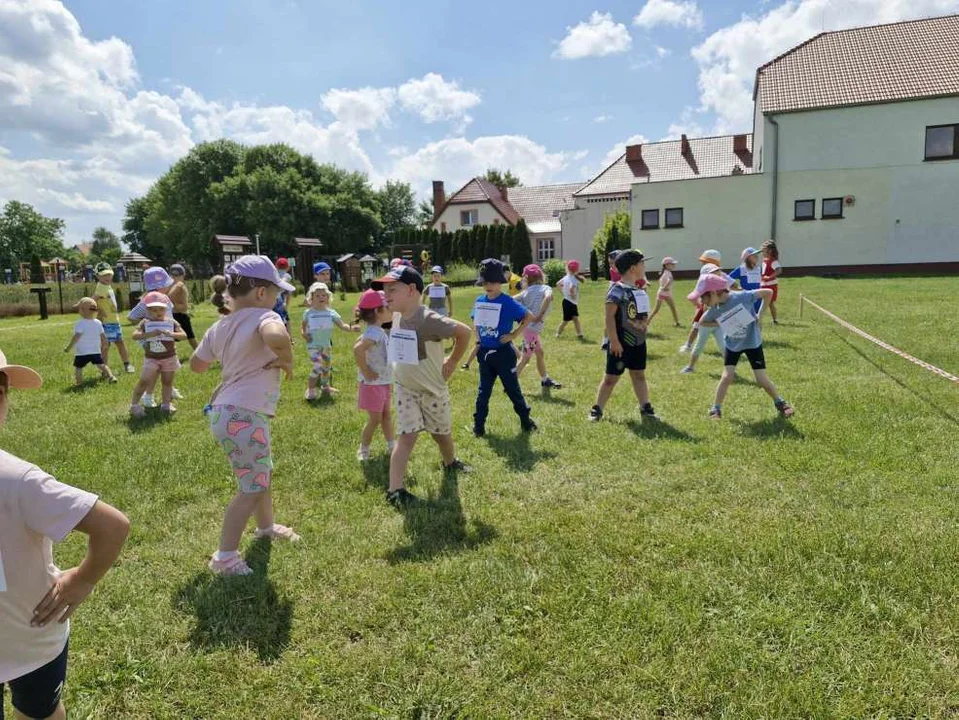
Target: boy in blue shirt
627, 315
494, 315
735, 313
749, 273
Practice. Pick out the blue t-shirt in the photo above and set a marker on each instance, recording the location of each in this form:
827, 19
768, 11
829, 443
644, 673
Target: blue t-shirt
749, 279
744, 338
510, 313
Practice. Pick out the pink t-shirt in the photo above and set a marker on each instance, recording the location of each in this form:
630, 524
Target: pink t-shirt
35, 512
236, 343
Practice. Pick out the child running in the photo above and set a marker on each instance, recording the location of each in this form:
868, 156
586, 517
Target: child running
317, 330
627, 313
569, 286
437, 295
770, 275
107, 313
420, 374
735, 313
709, 257
374, 375
706, 331
89, 342
537, 298
665, 293
749, 273
252, 347
283, 299
159, 334
494, 315
180, 297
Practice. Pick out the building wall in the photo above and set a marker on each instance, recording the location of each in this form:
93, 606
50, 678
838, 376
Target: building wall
557, 239
451, 215
581, 223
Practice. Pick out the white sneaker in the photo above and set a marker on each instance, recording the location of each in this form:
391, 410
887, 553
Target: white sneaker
309, 395
363, 454
168, 409
129, 368
177, 395
148, 401
686, 371
684, 348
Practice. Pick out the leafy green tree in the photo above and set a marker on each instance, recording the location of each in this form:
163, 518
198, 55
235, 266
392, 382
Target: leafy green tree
593, 266
502, 179
424, 213
24, 232
105, 247
397, 206
522, 253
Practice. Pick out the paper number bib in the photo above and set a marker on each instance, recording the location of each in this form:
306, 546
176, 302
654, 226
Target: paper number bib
486, 315
437, 291
754, 276
736, 322
323, 322
642, 301
403, 347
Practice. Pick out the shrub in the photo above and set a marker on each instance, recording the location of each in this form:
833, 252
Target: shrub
593, 266
554, 270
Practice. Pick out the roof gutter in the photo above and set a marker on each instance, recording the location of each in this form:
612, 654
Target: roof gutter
775, 182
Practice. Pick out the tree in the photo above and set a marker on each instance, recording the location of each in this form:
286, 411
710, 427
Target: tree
506, 242
615, 234
106, 247
502, 179
522, 252
36, 270
593, 266
24, 232
397, 206
424, 213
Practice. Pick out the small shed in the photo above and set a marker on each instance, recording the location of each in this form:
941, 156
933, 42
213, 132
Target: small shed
307, 253
231, 248
369, 269
132, 266
350, 271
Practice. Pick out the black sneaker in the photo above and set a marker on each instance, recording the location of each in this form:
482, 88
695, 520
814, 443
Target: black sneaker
647, 412
457, 466
595, 413
550, 383
401, 498
529, 426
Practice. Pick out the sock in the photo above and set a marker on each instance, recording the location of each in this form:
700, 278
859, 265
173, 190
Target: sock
221, 555
779, 400
364, 448
716, 407
390, 445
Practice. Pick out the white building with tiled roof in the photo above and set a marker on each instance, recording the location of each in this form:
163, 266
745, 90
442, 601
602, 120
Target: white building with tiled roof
853, 162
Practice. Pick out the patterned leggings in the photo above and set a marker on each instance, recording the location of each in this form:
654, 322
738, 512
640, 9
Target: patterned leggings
244, 436
322, 359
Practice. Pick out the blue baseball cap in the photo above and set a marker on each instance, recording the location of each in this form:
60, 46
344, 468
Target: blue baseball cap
320, 267
492, 270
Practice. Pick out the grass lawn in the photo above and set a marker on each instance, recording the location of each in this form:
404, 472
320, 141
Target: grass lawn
745, 568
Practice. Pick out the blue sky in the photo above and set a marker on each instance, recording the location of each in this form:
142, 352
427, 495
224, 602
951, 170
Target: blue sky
98, 98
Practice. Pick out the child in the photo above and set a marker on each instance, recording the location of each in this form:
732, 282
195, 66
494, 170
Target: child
322, 273
437, 294
709, 257
374, 375
180, 297
317, 330
106, 300
253, 347
569, 286
537, 298
665, 293
770, 275
219, 297
420, 375
159, 334
749, 273
514, 282
627, 313
736, 313
283, 299
37, 598
706, 331
89, 342
494, 315
155, 279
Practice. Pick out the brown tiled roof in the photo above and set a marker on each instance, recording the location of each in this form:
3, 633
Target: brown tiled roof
480, 190
664, 161
883, 63
542, 204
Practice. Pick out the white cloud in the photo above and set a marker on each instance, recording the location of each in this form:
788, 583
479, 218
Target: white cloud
362, 109
434, 99
729, 57
662, 52
602, 118
678, 13
597, 37
619, 149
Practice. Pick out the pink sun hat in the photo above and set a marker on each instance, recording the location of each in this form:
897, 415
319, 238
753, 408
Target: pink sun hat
708, 283
372, 300
532, 270
573, 266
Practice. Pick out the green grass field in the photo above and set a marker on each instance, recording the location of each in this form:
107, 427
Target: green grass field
746, 568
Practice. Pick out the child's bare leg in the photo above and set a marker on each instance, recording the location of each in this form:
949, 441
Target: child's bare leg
400, 458
147, 380
105, 372
659, 304
762, 379
122, 349
562, 326
263, 511
59, 714
540, 362
373, 420
77, 376
447, 449
606, 389
166, 392
693, 334
387, 423
773, 311
639, 386
672, 307
729, 374
579, 329
522, 366
238, 514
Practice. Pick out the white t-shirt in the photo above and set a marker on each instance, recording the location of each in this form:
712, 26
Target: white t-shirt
90, 332
568, 285
35, 512
376, 357
532, 298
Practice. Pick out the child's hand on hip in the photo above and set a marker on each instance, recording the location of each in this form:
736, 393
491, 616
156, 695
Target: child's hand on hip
448, 368
285, 365
62, 599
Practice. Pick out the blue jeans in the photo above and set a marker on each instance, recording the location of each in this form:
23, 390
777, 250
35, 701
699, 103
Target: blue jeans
498, 363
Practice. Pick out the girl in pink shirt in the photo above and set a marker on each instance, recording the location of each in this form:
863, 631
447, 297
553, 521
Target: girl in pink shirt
253, 346
665, 294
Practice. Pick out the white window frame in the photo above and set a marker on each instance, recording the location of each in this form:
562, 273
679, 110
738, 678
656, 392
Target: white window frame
471, 215
545, 252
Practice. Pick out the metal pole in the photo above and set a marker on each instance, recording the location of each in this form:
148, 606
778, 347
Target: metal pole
257, 236
60, 288
800, 305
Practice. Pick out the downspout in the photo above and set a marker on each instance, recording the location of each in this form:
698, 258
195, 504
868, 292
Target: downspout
775, 183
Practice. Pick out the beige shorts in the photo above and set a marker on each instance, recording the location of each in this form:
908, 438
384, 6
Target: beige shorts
422, 412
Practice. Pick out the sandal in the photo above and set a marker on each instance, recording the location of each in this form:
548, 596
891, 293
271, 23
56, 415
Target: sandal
277, 532
785, 409
235, 565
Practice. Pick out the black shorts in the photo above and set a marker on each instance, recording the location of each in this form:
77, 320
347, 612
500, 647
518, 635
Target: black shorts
81, 361
757, 361
633, 358
186, 324
37, 694
570, 310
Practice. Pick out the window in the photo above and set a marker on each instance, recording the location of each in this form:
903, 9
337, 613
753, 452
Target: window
942, 142
831, 208
650, 220
442, 227
545, 249
468, 218
805, 210
674, 217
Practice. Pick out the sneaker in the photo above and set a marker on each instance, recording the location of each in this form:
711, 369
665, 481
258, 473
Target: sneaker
231, 566
688, 370
684, 348
595, 413
137, 411
529, 426
550, 383
363, 454
647, 411
177, 395
129, 368
785, 409
168, 408
715, 413
111, 379
277, 532
458, 466
775, 322
309, 395
147, 401
401, 498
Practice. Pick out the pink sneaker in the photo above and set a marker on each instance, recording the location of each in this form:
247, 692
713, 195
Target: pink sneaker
231, 566
277, 532
137, 411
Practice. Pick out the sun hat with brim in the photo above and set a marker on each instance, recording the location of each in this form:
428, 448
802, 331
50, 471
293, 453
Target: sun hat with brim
156, 278
20, 377
532, 270
155, 299
400, 274
669, 261
708, 283
177, 269
436, 269
492, 270
709, 269
259, 267
711, 256
103, 268
372, 300
86, 302
749, 251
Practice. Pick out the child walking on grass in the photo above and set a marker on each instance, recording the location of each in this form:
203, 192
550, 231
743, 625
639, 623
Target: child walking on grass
89, 342
735, 313
706, 331
665, 293
317, 330
180, 297
253, 347
770, 276
158, 334
374, 375
437, 294
709, 257
569, 286
537, 298
107, 313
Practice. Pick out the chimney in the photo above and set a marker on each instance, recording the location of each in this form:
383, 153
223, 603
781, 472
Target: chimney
504, 191
439, 198
739, 144
634, 153
686, 150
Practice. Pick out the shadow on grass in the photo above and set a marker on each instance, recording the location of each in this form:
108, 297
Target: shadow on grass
153, 417
321, 401
243, 611
87, 384
658, 430
776, 427
437, 525
517, 452
945, 414
545, 395
377, 472
781, 344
